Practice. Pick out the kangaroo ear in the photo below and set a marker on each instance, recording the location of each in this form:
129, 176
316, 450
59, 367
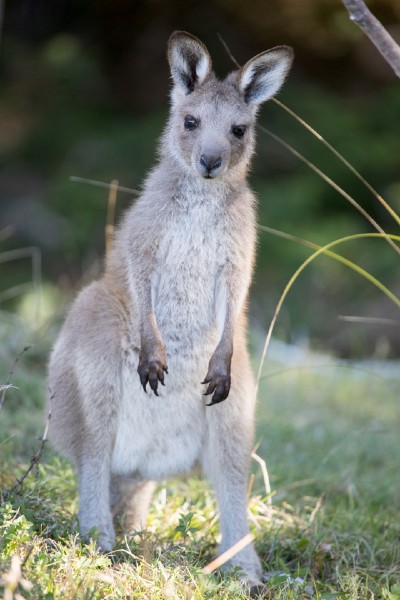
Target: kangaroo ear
189, 60
262, 76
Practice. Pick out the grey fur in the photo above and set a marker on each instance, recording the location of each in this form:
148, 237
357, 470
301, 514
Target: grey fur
173, 292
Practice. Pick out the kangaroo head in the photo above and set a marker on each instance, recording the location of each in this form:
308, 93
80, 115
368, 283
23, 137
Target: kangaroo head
211, 128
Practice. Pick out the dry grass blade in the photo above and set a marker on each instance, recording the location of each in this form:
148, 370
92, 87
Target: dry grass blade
229, 53
321, 250
103, 184
334, 185
228, 554
338, 257
357, 174
334, 365
371, 320
267, 483
112, 200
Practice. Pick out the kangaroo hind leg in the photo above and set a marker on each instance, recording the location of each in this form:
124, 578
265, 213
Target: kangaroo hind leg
130, 499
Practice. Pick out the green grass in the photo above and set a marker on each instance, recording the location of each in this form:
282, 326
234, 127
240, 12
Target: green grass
329, 433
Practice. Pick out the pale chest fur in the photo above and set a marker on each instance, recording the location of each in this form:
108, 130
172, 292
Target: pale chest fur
161, 436
191, 253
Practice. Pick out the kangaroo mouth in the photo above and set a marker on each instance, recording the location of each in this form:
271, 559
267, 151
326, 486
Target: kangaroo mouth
210, 174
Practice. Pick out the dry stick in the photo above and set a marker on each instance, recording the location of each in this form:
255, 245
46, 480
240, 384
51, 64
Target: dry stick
35, 459
321, 173
228, 554
7, 385
112, 200
382, 40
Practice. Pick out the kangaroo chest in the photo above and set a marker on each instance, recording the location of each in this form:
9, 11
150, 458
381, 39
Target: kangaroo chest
189, 257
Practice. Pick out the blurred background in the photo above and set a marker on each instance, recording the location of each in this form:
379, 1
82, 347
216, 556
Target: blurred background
84, 93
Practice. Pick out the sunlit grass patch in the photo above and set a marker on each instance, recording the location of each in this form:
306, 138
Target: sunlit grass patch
328, 431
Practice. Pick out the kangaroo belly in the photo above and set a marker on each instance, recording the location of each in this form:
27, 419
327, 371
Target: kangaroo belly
157, 437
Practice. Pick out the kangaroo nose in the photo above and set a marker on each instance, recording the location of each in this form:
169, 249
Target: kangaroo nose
210, 163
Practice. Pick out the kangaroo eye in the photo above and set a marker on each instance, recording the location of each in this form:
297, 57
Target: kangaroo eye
190, 122
239, 130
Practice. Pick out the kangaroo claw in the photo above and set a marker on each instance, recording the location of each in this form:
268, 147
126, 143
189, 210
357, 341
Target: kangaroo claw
151, 372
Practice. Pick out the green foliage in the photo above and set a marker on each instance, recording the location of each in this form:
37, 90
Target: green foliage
16, 531
185, 527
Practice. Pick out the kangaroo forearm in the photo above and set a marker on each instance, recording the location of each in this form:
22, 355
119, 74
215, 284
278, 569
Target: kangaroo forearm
152, 359
150, 337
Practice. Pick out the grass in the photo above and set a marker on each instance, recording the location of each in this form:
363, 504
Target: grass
329, 431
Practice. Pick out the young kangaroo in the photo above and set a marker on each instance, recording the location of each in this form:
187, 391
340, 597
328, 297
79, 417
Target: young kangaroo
171, 306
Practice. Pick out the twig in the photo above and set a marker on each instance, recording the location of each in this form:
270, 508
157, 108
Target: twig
7, 385
35, 459
382, 40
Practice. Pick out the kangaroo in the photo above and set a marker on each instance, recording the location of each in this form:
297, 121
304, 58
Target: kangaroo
163, 331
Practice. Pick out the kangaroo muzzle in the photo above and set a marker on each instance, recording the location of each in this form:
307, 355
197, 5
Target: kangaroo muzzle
209, 165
